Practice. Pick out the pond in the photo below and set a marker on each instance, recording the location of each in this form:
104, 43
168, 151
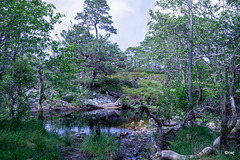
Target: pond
136, 133
109, 121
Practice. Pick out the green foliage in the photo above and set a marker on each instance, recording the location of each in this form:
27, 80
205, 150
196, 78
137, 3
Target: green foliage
99, 55
22, 140
25, 28
77, 96
177, 95
190, 140
148, 92
151, 91
25, 32
102, 146
18, 79
114, 84
95, 14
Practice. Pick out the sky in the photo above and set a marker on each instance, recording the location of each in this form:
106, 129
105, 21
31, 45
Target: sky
130, 18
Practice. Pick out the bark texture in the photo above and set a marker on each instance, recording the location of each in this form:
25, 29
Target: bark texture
190, 45
41, 87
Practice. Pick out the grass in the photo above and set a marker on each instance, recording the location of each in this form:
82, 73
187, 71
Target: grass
191, 140
22, 140
101, 146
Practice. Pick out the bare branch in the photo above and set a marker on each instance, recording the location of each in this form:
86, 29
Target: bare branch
158, 120
177, 126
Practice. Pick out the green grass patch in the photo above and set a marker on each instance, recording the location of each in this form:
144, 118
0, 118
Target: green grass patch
191, 140
22, 140
101, 146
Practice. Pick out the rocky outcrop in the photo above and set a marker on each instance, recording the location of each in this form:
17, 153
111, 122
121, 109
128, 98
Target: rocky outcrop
100, 101
55, 106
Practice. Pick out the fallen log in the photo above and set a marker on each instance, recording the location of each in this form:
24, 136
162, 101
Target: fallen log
171, 155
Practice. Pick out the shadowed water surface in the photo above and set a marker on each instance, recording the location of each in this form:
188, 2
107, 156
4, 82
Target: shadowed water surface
87, 123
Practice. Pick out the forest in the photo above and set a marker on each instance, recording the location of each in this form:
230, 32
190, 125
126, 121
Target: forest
175, 96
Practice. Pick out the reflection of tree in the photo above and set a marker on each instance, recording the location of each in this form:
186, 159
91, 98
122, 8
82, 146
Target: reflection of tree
80, 120
76, 119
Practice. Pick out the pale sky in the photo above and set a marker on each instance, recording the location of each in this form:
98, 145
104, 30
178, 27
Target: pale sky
130, 18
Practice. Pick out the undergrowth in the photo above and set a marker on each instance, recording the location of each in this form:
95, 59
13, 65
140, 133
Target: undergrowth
23, 140
191, 140
101, 146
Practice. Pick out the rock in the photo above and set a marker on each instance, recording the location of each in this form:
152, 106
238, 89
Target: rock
100, 99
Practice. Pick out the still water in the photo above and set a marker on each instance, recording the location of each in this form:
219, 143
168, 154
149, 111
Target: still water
87, 122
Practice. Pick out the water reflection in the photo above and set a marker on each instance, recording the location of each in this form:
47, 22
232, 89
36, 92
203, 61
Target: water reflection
87, 123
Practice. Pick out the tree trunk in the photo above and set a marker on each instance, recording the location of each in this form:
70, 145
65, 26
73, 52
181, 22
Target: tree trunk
11, 106
190, 44
12, 111
161, 137
226, 81
182, 73
96, 30
94, 77
41, 87
224, 128
199, 89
